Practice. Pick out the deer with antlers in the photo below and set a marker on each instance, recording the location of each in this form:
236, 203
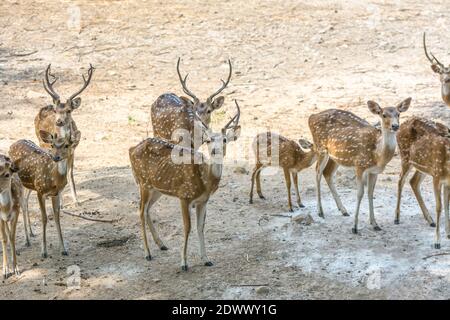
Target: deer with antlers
57, 119
443, 71
173, 116
44, 171
11, 201
157, 170
291, 158
342, 138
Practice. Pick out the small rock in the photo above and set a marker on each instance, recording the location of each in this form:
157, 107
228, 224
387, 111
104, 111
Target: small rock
240, 170
262, 290
302, 218
156, 280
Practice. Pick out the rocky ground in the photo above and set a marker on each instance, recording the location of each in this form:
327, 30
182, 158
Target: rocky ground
290, 58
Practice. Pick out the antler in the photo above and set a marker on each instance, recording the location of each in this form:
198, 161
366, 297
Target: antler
183, 82
434, 60
234, 122
48, 85
86, 82
224, 84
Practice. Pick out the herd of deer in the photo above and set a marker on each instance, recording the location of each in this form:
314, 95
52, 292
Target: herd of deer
340, 138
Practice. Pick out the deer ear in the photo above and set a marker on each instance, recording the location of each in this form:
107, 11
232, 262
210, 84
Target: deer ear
75, 103
374, 107
47, 137
218, 102
404, 105
435, 68
305, 144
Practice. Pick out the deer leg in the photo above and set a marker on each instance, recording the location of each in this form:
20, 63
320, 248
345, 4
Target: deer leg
144, 193
320, 166
12, 242
56, 214
154, 196
415, 182
73, 190
371, 181
26, 217
295, 180
201, 216
446, 208
287, 179
4, 249
328, 174
360, 193
401, 182
187, 229
258, 183
41, 201
437, 196
258, 167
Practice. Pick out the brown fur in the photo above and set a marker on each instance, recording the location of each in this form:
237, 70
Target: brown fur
342, 138
39, 171
425, 146
291, 158
10, 206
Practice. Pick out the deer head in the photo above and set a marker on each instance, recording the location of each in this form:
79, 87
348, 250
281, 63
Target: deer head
217, 142
444, 73
7, 168
204, 109
389, 116
63, 109
59, 147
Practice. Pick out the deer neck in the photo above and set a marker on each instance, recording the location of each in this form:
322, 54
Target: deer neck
213, 174
59, 172
5, 200
385, 147
306, 160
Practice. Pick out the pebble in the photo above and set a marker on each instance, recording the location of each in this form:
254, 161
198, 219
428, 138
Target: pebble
263, 290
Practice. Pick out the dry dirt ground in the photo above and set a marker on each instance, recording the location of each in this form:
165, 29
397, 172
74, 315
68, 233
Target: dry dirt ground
290, 58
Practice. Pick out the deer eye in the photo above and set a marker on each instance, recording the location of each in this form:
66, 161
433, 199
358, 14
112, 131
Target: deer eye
384, 116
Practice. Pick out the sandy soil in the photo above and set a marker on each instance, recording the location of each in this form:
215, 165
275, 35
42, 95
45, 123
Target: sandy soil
290, 59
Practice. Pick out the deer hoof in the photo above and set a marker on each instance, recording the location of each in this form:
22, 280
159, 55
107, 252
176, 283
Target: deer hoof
163, 248
184, 268
44, 255
377, 228
27, 243
250, 201
262, 197
301, 205
148, 258
345, 214
209, 264
355, 230
291, 210
433, 225
64, 253
396, 221
321, 215
437, 245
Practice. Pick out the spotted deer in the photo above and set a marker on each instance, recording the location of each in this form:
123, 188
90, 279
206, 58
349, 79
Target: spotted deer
442, 71
11, 201
44, 171
173, 116
291, 158
410, 132
158, 172
57, 118
344, 139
